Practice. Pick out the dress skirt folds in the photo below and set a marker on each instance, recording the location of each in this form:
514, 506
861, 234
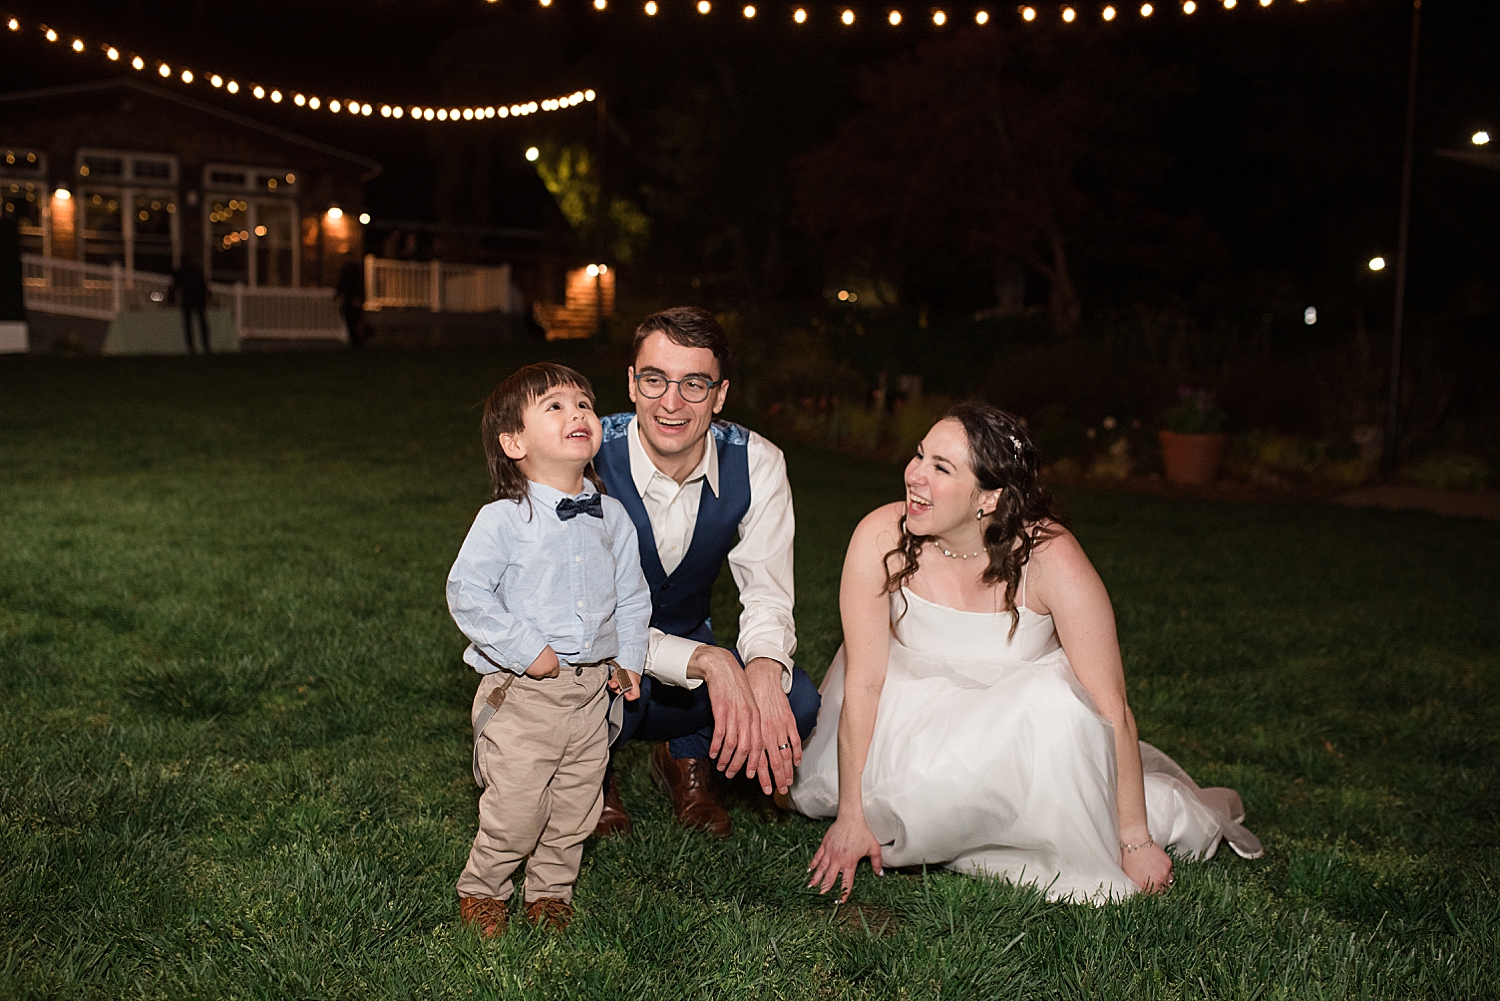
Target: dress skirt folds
989, 757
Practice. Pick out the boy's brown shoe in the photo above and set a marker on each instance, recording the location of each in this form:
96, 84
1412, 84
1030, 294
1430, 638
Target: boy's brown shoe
490, 916
551, 913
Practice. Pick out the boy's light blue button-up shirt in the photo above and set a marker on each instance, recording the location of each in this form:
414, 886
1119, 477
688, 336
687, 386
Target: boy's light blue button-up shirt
524, 579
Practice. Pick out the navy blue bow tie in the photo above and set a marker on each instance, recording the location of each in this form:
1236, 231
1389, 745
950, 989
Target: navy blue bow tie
568, 508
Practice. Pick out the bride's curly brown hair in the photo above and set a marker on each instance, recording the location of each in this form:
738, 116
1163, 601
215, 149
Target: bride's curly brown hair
1002, 457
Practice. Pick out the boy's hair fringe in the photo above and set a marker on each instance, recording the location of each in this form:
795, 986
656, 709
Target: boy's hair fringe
505, 412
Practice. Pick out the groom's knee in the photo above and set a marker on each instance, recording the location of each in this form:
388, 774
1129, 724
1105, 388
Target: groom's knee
804, 700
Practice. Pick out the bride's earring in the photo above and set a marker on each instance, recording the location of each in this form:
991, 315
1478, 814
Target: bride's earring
979, 515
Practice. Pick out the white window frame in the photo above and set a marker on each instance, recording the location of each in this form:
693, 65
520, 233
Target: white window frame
128, 186
254, 190
36, 177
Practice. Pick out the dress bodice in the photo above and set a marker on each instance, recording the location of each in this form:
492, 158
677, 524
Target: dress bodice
974, 636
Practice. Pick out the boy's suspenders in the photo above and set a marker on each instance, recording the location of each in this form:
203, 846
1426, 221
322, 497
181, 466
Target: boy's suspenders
496, 699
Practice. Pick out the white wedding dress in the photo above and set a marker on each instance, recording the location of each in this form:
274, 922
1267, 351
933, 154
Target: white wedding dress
988, 757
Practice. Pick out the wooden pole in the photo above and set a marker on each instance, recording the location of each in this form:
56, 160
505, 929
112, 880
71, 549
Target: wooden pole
1393, 401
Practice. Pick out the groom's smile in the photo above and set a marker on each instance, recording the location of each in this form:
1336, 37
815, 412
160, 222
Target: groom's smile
673, 429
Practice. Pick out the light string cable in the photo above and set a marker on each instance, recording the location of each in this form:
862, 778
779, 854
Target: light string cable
938, 16
182, 75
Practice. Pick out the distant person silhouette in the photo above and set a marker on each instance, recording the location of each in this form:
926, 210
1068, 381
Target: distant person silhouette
351, 292
191, 290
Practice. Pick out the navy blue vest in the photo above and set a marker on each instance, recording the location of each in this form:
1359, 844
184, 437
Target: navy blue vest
681, 601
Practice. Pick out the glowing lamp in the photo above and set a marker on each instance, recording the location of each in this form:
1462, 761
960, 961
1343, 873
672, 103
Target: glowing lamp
704, 6
335, 213
593, 270
232, 87
749, 10
1068, 15
1109, 13
51, 35
1189, 7
939, 18
164, 70
138, 63
112, 54
62, 194
1310, 315
187, 76
77, 45
1028, 13
533, 154
651, 8
1377, 264
364, 218
1480, 138
1147, 10
847, 16
982, 17
894, 17
799, 15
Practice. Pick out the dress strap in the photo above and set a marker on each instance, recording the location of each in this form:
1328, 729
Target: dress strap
1023, 584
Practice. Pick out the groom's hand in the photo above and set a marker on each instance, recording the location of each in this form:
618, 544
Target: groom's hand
778, 726
737, 731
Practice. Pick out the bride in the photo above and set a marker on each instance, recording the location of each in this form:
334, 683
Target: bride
976, 714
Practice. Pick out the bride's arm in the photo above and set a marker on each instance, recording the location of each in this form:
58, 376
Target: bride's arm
864, 607
1065, 583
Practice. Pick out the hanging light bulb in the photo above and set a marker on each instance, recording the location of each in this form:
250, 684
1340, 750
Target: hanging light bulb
232, 87
704, 6
51, 35
187, 76
939, 18
1189, 7
112, 54
1109, 13
164, 70
314, 102
13, 24
138, 63
799, 15
847, 16
77, 45
334, 106
1231, 4
1147, 10
1028, 13
982, 17
650, 8
1068, 15
258, 91
600, 4
749, 11
894, 17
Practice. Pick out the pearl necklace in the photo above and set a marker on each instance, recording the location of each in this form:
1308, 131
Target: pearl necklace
958, 556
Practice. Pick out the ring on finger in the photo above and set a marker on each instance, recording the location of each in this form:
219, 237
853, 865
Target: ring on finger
783, 747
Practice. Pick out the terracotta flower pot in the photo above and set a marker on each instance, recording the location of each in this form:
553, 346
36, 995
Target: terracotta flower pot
1192, 459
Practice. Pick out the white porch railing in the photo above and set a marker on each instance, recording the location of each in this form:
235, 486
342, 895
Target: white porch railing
439, 287
299, 314
96, 291
103, 292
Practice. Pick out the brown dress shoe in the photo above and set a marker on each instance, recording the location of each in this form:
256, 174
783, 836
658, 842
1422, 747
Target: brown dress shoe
693, 786
551, 913
614, 819
490, 916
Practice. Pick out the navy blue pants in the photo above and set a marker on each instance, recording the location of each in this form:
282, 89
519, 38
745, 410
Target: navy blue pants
684, 717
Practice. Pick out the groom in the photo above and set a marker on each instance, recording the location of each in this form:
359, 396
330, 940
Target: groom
700, 491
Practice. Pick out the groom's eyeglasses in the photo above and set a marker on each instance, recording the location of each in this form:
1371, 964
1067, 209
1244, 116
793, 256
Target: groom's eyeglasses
694, 388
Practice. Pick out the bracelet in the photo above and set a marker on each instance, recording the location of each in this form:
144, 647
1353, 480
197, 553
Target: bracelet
1127, 849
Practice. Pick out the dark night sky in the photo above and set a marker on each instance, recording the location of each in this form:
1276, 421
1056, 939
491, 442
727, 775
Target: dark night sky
1289, 143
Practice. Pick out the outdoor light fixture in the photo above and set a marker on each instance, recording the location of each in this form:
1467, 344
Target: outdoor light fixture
364, 218
217, 81
51, 35
112, 54
1109, 13
275, 97
532, 154
1068, 15
234, 88
1480, 138
939, 18
595, 270
894, 17
1310, 315
1147, 10
164, 70
62, 194
335, 213
13, 24
1189, 7
799, 15
704, 6
1377, 264
187, 76
981, 17
749, 11
847, 16
1265, 3
1028, 13
651, 8
77, 45
600, 4
1230, 4
138, 63
258, 91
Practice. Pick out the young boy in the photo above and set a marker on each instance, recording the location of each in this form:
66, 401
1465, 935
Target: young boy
548, 588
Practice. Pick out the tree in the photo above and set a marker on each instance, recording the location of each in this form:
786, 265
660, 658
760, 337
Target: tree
992, 147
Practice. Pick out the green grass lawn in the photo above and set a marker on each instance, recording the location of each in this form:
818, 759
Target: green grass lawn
234, 743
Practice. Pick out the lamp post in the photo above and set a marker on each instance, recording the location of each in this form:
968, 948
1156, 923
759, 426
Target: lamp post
1393, 400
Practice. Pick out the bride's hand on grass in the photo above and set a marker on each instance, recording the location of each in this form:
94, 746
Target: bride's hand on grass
837, 858
1150, 868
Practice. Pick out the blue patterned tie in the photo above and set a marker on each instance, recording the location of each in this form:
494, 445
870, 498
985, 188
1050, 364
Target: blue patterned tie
568, 508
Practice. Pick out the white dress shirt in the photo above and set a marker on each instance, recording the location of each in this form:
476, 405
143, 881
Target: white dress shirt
761, 562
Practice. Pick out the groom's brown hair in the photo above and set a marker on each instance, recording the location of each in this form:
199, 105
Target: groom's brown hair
690, 326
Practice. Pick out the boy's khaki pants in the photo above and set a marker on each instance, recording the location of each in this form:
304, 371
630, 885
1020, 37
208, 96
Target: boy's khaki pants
543, 757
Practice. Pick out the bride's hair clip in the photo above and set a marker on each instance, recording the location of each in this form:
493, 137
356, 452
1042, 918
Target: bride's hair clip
1017, 443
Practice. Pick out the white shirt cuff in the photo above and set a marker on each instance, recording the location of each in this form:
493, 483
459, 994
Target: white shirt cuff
778, 657
667, 659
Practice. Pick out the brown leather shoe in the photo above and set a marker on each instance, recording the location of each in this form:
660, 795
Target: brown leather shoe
490, 916
692, 783
614, 819
552, 913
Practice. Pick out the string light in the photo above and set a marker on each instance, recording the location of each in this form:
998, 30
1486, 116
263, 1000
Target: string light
1231, 4
749, 11
600, 4
1109, 13
1068, 15
799, 15
1189, 7
939, 18
1147, 10
894, 17
1265, 3
847, 16
1028, 13
651, 8
704, 6
982, 17
363, 109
